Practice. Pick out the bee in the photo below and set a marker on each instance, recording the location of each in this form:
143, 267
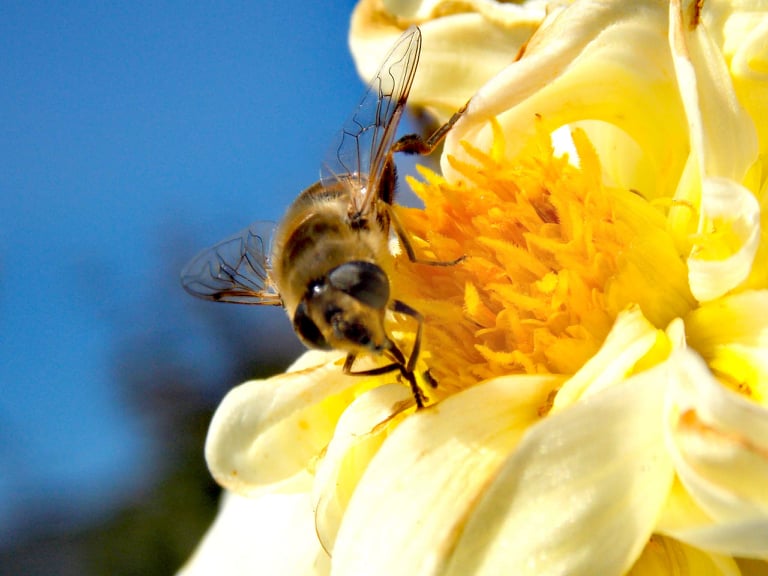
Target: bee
322, 263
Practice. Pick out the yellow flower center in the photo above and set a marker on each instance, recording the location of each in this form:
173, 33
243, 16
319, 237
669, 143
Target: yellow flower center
552, 256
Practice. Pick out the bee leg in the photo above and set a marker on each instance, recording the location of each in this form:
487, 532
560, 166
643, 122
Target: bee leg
406, 243
403, 308
415, 144
407, 369
386, 369
417, 393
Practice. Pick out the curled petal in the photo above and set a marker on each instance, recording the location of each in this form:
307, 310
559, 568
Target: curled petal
730, 239
719, 443
724, 146
425, 479
267, 432
359, 433
580, 494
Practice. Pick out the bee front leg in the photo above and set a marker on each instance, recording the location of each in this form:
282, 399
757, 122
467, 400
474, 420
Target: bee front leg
418, 395
403, 308
407, 370
386, 369
415, 144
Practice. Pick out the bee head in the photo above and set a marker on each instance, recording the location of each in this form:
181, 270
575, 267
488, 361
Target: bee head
345, 309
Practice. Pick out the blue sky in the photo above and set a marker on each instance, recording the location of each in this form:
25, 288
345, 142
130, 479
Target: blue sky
130, 135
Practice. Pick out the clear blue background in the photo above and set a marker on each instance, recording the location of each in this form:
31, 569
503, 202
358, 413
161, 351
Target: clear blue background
131, 136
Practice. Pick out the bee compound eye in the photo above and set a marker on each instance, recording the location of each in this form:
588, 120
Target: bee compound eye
363, 281
307, 330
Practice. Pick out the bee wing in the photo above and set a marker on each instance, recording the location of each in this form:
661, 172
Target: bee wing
362, 147
235, 270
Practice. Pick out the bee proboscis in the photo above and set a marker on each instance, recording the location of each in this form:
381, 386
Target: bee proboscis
322, 263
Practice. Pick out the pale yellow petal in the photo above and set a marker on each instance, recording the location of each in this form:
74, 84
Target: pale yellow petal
743, 538
665, 556
272, 534
461, 50
731, 334
630, 339
741, 30
719, 443
681, 511
266, 432
683, 519
604, 62
408, 509
676, 334
418, 11
581, 493
723, 141
730, 236
359, 433
723, 136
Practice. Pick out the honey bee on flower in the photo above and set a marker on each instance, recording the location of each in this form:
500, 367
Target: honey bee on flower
323, 262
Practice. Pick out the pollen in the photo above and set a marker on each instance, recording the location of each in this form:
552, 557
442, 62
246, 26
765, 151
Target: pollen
552, 255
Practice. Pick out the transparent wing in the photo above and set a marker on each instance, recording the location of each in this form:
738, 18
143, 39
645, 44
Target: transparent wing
235, 270
361, 148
